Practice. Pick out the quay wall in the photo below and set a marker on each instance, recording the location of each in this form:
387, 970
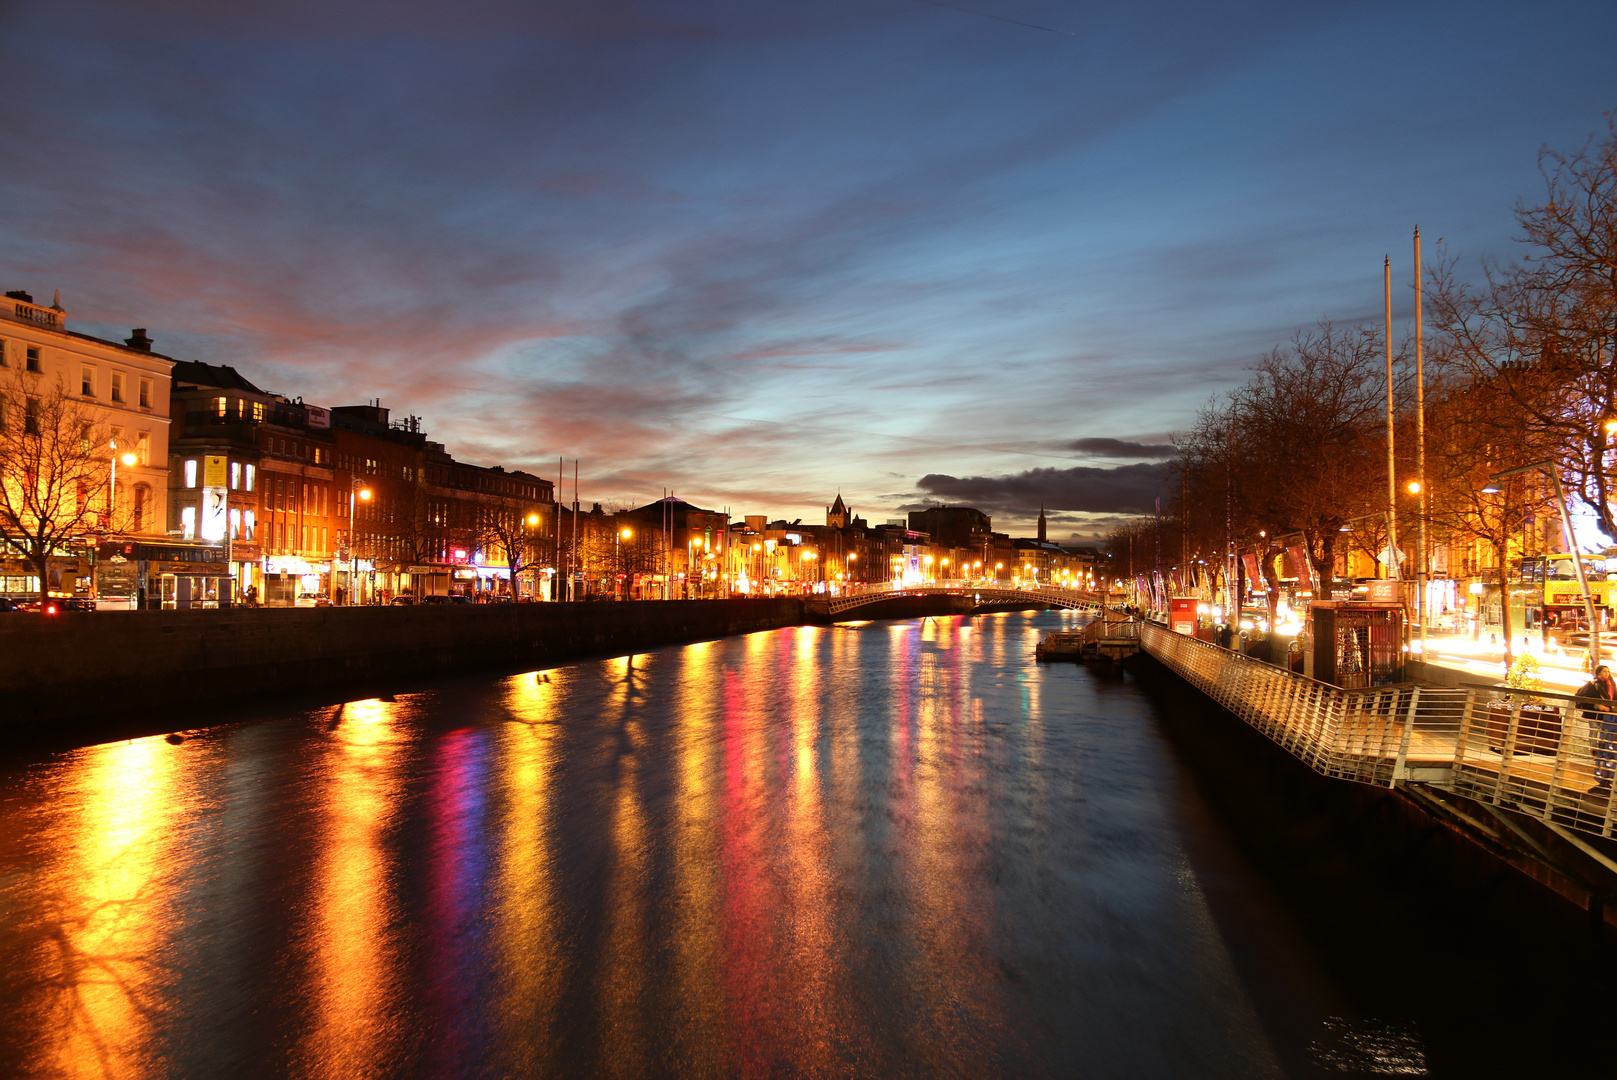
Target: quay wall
103, 666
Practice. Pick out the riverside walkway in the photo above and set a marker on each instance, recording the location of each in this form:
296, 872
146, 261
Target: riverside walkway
1529, 753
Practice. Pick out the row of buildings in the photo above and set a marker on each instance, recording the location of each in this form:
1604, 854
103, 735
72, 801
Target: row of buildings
193, 485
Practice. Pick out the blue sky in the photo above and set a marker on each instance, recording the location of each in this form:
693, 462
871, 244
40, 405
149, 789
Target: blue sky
760, 253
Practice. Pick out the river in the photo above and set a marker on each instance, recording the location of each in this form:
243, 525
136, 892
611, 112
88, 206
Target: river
885, 849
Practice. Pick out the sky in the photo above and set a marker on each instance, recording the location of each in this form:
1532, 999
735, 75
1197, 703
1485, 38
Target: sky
995, 252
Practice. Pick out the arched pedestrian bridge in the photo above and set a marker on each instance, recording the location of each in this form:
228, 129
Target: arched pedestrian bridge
982, 595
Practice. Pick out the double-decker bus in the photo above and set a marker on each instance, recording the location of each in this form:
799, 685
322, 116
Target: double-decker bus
1555, 582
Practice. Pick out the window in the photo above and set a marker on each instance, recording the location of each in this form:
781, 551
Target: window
33, 358
145, 393
141, 494
118, 387
252, 477
2, 352
191, 473
87, 439
235, 476
235, 524
221, 406
143, 447
87, 381
325, 539
249, 521
258, 412
188, 523
30, 417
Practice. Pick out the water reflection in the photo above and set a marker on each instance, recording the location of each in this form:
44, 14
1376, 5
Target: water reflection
882, 849
100, 929
352, 952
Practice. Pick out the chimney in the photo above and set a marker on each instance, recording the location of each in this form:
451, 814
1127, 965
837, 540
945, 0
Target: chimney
138, 340
18, 294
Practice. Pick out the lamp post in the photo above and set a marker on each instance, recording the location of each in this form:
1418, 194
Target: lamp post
112, 481
516, 590
358, 493
1548, 466
617, 549
1418, 489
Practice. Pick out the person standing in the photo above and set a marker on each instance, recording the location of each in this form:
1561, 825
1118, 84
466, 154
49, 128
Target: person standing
1602, 716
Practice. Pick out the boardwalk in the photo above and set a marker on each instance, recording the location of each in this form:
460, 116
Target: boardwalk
1527, 752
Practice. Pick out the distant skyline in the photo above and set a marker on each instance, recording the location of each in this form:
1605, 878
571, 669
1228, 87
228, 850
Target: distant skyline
994, 253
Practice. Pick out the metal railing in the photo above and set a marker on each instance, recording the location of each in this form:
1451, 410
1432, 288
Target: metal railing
1111, 627
1532, 752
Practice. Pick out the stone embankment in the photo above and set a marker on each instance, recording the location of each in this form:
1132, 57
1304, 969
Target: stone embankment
112, 668
102, 664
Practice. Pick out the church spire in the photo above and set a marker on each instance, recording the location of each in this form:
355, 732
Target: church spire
1041, 524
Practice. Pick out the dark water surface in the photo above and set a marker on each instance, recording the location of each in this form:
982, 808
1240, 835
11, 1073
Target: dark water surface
892, 849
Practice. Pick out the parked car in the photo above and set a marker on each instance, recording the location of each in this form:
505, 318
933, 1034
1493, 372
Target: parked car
8, 604
402, 600
313, 599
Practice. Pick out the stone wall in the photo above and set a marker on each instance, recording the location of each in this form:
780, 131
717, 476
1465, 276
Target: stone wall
104, 664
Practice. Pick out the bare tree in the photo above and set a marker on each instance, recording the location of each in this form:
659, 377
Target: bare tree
521, 542
1543, 329
1470, 436
1309, 420
55, 466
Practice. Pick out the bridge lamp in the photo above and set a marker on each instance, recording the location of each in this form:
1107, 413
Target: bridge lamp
1413, 487
533, 519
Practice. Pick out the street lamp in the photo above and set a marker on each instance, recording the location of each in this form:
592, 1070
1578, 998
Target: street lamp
1548, 466
360, 494
617, 548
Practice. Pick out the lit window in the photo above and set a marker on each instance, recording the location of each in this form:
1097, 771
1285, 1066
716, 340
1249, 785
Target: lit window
188, 522
235, 476
118, 387
249, 521
220, 406
143, 447
145, 393
87, 381
252, 477
191, 473
258, 412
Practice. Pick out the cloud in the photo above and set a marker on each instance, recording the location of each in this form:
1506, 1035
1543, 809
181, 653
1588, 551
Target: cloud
1118, 448
1127, 489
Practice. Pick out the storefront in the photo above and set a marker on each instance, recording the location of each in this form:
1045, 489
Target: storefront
290, 580
174, 576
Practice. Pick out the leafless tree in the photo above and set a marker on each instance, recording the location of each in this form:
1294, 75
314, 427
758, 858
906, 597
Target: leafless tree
521, 543
1469, 436
1543, 328
55, 466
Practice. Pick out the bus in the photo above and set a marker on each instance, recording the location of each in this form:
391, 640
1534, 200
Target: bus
1555, 582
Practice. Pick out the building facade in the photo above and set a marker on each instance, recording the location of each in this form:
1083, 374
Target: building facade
114, 396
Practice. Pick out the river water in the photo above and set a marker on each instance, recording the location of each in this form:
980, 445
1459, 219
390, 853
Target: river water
885, 849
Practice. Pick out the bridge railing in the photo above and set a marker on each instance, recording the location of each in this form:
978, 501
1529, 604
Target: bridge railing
1534, 752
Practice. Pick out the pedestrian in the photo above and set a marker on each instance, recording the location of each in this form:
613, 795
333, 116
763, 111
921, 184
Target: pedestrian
1601, 713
